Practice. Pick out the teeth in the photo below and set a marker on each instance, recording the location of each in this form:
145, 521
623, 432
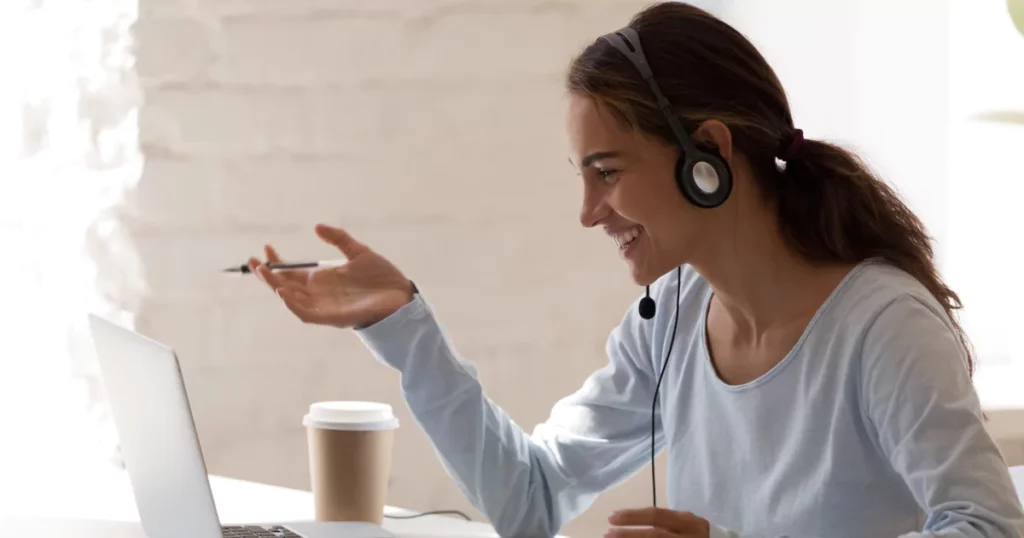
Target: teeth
622, 239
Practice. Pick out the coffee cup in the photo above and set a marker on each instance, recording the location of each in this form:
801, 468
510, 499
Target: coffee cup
350, 445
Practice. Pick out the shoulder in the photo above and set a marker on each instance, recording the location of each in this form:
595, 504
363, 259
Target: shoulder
682, 297
877, 287
902, 333
883, 304
682, 288
638, 334
682, 283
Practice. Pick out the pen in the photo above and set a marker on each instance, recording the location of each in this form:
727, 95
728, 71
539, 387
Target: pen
244, 268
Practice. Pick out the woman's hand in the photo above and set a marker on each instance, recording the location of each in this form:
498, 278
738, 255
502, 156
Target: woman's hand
367, 289
657, 523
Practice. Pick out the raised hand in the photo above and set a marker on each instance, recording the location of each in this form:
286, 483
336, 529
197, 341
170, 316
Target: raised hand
367, 289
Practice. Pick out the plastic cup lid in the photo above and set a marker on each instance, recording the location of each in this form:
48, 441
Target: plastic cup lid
350, 415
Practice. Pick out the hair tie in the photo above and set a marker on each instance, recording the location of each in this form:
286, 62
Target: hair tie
789, 149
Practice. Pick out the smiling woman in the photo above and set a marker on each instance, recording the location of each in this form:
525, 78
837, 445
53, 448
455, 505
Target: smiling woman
816, 380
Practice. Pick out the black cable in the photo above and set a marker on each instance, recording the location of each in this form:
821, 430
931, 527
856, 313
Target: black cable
654, 403
431, 513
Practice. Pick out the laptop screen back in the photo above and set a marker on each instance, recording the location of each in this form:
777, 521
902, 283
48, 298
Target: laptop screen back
157, 434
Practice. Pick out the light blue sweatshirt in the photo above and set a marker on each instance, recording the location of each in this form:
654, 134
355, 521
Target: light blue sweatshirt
869, 427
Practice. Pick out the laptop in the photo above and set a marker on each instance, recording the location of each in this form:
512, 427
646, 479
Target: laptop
161, 450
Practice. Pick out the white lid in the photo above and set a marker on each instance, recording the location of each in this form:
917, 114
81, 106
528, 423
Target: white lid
350, 416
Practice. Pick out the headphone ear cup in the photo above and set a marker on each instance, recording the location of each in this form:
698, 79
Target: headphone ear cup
705, 179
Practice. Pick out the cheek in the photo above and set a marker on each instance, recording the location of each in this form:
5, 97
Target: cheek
648, 201
630, 203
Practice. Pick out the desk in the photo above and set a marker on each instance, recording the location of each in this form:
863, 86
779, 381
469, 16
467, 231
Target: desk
102, 500
59, 503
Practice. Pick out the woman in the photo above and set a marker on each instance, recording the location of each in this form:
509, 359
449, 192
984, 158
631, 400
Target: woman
810, 379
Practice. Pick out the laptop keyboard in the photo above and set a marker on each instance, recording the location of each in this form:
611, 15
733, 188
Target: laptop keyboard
272, 531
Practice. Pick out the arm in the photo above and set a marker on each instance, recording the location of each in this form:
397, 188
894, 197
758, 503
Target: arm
526, 485
918, 397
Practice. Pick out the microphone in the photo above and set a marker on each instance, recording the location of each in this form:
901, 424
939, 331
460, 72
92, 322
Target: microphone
646, 306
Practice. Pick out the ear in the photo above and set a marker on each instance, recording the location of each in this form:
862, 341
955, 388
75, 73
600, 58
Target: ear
715, 134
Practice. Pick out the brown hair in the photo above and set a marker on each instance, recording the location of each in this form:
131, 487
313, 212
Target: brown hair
831, 207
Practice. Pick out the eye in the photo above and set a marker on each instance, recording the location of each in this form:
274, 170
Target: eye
607, 175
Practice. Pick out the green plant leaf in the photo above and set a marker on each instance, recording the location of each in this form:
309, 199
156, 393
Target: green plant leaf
1016, 8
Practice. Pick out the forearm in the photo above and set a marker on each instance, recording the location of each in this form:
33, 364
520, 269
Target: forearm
494, 462
492, 459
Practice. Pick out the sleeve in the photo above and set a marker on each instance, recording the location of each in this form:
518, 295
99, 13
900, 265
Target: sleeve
525, 484
918, 396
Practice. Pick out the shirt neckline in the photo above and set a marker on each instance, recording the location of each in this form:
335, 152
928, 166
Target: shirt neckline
774, 370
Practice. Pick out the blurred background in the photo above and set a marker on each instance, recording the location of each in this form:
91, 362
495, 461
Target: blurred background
147, 144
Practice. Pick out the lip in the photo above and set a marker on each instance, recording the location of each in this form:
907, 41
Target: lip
630, 249
612, 232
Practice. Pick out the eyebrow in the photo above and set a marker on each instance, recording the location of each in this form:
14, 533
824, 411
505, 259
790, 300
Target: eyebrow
589, 159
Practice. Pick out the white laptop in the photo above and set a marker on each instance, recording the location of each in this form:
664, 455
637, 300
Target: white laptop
161, 449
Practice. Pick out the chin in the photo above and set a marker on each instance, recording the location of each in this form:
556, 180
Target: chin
648, 262
646, 274
643, 275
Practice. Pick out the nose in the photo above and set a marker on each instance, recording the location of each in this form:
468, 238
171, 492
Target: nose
594, 208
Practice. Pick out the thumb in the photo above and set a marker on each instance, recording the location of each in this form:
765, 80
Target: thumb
341, 239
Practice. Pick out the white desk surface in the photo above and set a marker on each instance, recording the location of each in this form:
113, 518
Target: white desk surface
99, 502
102, 500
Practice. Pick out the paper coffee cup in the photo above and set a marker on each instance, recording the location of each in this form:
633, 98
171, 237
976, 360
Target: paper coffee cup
350, 446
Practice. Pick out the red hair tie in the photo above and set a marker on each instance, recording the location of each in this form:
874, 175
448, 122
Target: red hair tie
796, 141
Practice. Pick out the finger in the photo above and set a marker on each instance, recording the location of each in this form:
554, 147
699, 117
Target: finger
342, 240
273, 280
298, 290
272, 256
299, 306
660, 518
254, 266
287, 276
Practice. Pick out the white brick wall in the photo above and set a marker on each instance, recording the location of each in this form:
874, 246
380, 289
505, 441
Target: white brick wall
262, 118
68, 148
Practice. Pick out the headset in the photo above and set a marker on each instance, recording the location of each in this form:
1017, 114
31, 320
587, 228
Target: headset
703, 177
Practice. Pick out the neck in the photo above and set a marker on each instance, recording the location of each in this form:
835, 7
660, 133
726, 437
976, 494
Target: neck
764, 284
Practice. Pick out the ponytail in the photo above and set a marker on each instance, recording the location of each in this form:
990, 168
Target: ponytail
831, 207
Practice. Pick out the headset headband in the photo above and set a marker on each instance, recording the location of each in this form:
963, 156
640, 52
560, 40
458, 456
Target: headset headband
628, 42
